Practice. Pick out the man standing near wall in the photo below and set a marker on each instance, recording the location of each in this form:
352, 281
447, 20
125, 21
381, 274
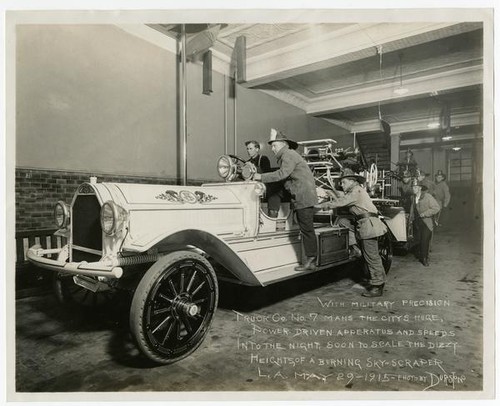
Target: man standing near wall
442, 195
299, 182
423, 209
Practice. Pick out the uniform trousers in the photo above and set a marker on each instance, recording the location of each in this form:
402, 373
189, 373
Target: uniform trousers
306, 223
423, 237
369, 248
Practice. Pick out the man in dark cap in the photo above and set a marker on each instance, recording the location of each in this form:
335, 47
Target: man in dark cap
263, 165
423, 209
368, 226
299, 182
423, 178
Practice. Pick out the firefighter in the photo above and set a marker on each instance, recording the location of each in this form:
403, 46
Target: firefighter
368, 226
423, 178
423, 209
442, 195
299, 182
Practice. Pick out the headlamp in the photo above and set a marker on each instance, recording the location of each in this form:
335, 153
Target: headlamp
112, 217
227, 168
61, 214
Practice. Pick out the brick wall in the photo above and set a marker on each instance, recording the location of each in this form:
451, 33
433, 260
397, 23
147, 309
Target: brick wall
38, 190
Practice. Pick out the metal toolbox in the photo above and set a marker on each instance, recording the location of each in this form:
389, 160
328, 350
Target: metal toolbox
333, 245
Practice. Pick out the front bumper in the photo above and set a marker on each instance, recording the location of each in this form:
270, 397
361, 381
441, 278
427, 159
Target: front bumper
36, 255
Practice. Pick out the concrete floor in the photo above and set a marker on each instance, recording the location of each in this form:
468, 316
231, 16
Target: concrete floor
60, 350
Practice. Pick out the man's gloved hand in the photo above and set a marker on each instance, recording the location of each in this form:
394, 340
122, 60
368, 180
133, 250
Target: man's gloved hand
257, 177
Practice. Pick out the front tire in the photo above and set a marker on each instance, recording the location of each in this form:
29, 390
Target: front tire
173, 306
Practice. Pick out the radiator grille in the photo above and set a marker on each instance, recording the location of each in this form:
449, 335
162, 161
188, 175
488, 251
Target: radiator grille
86, 227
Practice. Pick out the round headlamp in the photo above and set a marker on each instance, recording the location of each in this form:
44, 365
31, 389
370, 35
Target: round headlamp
61, 214
109, 217
226, 168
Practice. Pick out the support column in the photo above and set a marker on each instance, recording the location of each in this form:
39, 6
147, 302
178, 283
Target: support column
183, 126
395, 141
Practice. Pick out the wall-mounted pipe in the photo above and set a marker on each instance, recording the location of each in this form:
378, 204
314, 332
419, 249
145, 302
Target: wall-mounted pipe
235, 118
183, 127
225, 115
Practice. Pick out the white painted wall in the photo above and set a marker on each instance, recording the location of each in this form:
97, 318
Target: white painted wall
97, 98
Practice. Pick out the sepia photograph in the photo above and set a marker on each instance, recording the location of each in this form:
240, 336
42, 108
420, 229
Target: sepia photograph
250, 204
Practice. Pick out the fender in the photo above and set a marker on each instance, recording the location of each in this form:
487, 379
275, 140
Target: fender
215, 248
395, 220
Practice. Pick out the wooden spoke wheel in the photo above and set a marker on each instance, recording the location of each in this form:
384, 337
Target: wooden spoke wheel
173, 306
385, 250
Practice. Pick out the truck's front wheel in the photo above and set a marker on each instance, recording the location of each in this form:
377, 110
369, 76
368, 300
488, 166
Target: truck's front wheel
173, 306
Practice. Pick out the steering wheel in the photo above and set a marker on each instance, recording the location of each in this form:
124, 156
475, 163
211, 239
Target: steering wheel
236, 158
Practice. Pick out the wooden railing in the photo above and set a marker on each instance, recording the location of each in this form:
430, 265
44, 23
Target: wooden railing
26, 239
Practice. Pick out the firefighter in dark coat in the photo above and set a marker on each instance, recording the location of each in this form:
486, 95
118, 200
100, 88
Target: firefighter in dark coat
423, 209
299, 182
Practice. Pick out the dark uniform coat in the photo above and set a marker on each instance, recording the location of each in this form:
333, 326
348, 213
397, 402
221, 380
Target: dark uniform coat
298, 178
426, 208
442, 194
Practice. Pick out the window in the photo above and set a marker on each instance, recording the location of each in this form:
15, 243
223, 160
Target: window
460, 165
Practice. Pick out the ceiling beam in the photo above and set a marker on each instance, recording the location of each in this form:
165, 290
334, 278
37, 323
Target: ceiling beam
431, 142
417, 87
457, 120
346, 125
150, 35
352, 43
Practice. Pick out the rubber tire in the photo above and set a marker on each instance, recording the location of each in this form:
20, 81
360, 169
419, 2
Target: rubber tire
385, 244
158, 270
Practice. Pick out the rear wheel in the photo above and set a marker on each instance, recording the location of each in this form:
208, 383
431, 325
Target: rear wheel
173, 306
385, 251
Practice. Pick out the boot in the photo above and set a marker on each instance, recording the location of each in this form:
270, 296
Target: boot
374, 291
425, 262
308, 265
273, 213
